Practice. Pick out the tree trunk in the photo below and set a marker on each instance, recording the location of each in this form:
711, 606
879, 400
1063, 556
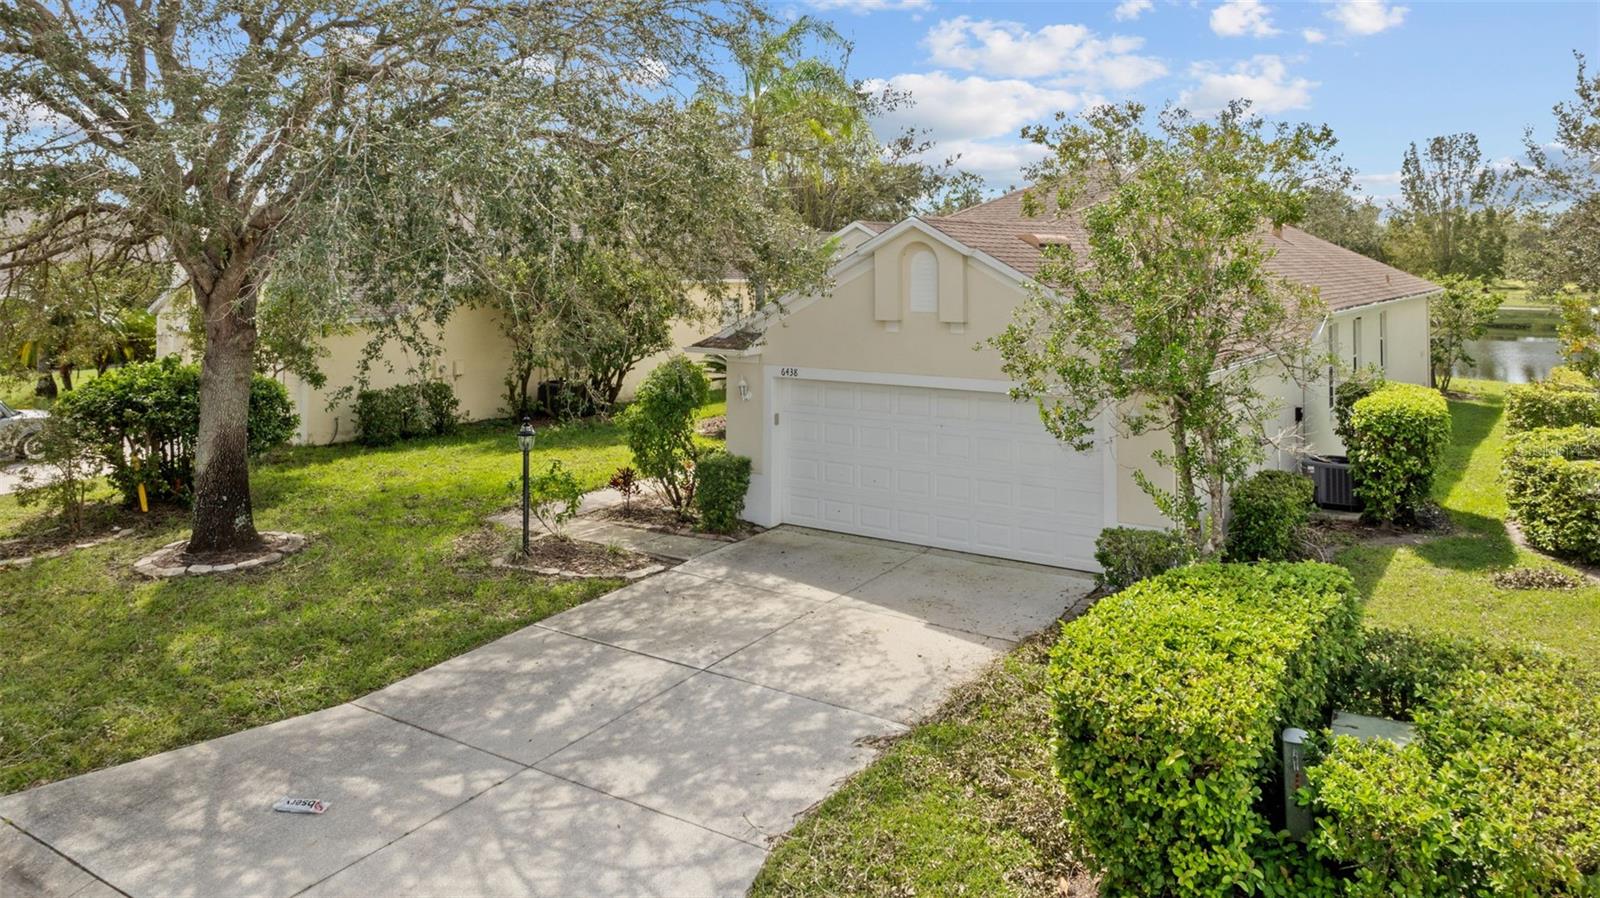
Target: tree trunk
222, 516
66, 377
45, 386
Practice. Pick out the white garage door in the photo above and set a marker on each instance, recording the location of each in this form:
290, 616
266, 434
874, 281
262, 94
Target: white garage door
955, 469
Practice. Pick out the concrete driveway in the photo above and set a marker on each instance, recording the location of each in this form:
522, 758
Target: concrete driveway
650, 742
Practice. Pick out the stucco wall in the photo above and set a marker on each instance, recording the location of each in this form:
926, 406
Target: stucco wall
866, 325
474, 358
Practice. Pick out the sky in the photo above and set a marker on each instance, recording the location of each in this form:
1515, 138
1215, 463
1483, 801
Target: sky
1381, 74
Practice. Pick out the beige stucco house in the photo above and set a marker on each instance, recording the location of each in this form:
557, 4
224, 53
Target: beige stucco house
474, 357
877, 408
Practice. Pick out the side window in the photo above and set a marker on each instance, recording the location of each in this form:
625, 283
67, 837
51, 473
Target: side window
924, 280
1333, 353
1355, 345
1383, 341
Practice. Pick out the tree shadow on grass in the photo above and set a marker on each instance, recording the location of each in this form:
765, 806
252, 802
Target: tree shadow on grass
1482, 550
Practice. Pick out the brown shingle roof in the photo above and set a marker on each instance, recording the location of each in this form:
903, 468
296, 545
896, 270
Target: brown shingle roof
1345, 279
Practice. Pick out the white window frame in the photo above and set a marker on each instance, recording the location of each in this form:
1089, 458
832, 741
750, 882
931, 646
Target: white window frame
1383, 341
1333, 355
1355, 344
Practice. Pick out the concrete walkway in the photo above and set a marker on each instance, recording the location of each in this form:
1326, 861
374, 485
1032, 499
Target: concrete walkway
650, 742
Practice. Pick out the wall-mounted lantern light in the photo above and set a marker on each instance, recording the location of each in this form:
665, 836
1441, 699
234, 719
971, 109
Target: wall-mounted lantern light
744, 389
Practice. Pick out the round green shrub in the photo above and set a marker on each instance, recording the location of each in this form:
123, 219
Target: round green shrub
1552, 478
659, 427
1169, 697
1565, 399
1129, 554
404, 411
1268, 512
141, 421
724, 478
1495, 796
1398, 436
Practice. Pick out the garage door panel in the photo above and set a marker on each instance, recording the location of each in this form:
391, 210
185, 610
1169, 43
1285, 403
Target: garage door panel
913, 403
959, 470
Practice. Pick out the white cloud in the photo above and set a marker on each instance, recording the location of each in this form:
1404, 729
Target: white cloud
1128, 10
1072, 53
1000, 165
1236, 18
1313, 36
1367, 16
861, 7
1263, 80
971, 108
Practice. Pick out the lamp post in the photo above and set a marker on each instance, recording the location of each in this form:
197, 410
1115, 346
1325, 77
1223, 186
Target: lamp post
525, 440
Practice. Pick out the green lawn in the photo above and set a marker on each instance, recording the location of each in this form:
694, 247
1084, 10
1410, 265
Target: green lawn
1443, 583
965, 804
100, 666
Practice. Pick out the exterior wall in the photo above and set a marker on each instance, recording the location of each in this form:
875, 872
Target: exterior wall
866, 325
474, 358
1402, 353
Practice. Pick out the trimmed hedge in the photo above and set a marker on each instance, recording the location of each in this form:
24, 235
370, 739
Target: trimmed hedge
404, 411
1495, 796
724, 478
1268, 511
141, 421
1398, 436
1129, 554
1169, 697
1552, 478
1565, 399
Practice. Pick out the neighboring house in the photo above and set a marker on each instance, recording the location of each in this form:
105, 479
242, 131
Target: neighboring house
879, 409
474, 357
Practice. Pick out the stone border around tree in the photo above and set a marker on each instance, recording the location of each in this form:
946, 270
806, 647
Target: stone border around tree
164, 562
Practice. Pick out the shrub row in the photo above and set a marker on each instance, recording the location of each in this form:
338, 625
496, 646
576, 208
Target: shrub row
1267, 515
141, 421
1397, 436
1168, 699
1496, 794
1565, 399
1129, 554
404, 411
1552, 478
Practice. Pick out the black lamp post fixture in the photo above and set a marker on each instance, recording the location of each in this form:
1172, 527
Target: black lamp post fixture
525, 440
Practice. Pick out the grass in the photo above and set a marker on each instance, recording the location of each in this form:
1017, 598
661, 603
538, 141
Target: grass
965, 804
100, 666
17, 391
1442, 584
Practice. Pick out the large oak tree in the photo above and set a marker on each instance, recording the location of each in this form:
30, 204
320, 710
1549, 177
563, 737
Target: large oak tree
233, 136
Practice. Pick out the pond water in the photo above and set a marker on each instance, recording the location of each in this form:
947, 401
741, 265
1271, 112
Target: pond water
1520, 347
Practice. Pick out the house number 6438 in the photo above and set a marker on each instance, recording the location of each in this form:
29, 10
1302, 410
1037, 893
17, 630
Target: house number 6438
788, 372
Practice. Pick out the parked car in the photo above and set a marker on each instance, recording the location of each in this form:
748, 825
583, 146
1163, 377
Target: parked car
19, 431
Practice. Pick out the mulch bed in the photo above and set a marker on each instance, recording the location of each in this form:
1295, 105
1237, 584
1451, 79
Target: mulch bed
40, 538
557, 557
1330, 533
651, 512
